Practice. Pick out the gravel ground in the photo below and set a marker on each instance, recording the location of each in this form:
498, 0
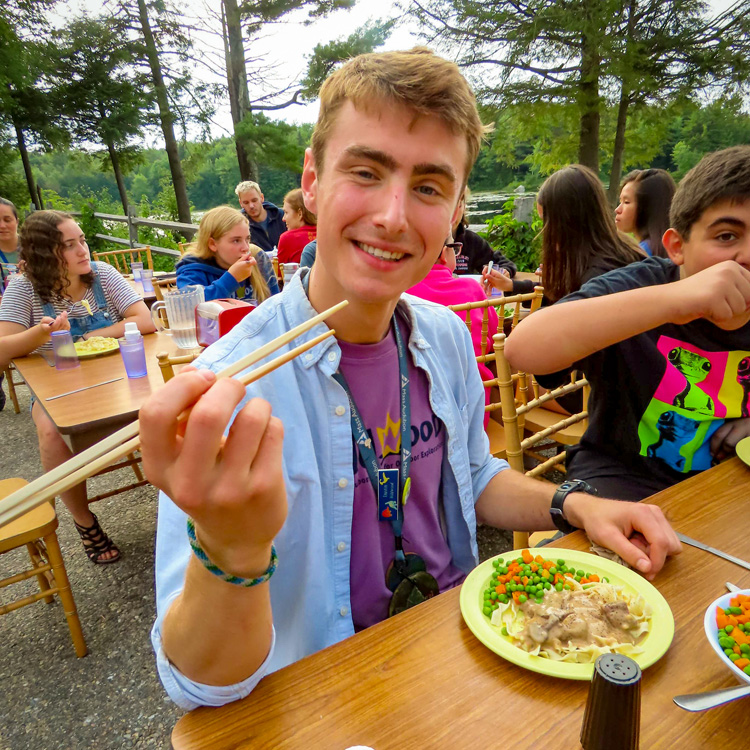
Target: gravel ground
111, 698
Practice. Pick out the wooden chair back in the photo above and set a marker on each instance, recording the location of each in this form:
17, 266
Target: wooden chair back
163, 285
495, 431
36, 530
516, 404
167, 362
121, 259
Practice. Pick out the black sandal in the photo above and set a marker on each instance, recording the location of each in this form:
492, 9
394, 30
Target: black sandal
96, 543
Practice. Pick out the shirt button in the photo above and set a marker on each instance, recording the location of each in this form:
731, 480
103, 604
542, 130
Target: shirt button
341, 546
343, 483
340, 411
331, 356
308, 356
343, 611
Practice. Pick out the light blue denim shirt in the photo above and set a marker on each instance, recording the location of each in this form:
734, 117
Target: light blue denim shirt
310, 589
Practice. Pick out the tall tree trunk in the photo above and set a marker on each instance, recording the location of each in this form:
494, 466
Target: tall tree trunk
115, 159
588, 102
30, 183
618, 151
239, 98
166, 117
613, 193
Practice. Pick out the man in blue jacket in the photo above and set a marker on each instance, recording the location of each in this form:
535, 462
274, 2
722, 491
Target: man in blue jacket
265, 219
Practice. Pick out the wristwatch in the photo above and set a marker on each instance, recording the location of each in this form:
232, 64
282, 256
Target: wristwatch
558, 500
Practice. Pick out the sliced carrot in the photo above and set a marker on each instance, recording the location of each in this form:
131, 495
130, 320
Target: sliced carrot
527, 556
742, 663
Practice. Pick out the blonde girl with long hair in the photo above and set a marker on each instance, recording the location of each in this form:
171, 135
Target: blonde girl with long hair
223, 261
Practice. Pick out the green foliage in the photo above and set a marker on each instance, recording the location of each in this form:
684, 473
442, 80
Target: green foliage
92, 226
516, 240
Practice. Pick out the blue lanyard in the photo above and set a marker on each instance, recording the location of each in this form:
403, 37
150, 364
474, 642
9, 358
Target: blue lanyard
364, 443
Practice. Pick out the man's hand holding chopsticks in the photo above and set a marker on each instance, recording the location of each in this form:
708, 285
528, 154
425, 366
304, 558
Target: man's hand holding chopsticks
232, 488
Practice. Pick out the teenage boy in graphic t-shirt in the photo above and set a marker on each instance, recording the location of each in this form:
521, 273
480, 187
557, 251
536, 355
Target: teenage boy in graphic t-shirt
665, 343
396, 138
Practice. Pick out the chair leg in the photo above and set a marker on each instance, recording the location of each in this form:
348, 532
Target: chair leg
36, 561
12, 390
136, 468
66, 595
520, 539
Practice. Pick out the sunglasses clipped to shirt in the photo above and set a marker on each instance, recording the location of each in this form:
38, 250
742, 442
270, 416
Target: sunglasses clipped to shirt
455, 246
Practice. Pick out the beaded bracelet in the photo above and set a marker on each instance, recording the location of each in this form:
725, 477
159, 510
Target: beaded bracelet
218, 572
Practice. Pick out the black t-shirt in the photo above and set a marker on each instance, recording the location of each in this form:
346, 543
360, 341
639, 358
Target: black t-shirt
658, 397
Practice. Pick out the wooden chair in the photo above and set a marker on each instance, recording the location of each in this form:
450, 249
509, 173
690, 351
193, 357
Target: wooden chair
9, 372
121, 259
163, 285
515, 410
37, 531
495, 431
167, 362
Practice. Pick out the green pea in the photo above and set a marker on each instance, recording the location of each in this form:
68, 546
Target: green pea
558, 586
522, 598
504, 630
728, 651
552, 570
733, 656
726, 643
547, 585
728, 629
519, 560
735, 610
605, 580
745, 648
746, 670
567, 587
561, 563
487, 611
580, 573
496, 563
503, 598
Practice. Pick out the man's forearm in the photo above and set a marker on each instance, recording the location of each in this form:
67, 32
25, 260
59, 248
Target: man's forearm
556, 337
217, 633
514, 501
21, 344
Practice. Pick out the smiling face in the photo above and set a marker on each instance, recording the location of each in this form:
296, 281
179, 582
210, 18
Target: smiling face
385, 202
230, 247
75, 251
8, 225
292, 217
625, 213
252, 202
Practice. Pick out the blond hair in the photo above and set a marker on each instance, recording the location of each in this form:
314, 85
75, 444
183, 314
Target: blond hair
214, 225
246, 187
418, 79
296, 201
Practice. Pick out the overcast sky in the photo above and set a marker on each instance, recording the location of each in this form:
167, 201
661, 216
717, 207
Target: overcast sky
287, 45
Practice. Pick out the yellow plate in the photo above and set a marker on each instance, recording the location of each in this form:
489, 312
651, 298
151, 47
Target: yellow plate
108, 346
743, 450
654, 646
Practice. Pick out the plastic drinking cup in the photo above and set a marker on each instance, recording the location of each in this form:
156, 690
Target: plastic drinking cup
65, 351
135, 268
180, 307
146, 280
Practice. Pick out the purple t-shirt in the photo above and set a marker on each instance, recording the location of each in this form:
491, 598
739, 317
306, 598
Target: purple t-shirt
371, 371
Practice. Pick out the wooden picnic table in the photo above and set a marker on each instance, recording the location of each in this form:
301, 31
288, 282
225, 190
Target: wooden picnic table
422, 681
84, 418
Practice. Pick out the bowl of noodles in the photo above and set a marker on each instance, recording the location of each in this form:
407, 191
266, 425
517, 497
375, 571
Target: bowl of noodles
556, 612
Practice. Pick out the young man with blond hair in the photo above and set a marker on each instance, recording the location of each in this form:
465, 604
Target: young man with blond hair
396, 138
265, 218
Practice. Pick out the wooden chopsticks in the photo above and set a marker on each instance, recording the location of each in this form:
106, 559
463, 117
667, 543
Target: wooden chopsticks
126, 440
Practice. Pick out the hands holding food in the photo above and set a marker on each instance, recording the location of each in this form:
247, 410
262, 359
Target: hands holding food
50, 325
242, 268
233, 487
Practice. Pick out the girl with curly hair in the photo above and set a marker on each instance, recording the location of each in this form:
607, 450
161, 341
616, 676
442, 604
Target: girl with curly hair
61, 288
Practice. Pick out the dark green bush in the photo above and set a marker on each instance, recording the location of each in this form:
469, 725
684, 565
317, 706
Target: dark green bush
516, 240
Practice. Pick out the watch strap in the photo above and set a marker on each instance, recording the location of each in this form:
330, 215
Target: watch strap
557, 511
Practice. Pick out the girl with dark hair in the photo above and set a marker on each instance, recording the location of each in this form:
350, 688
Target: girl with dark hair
8, 239
301, 225
60, 288
579, 236
645, 199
